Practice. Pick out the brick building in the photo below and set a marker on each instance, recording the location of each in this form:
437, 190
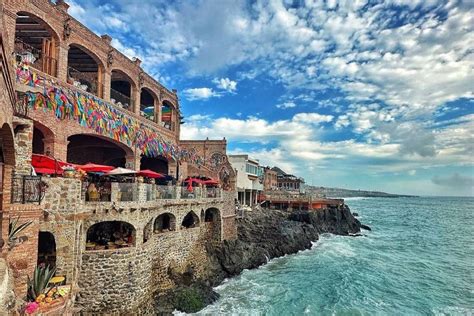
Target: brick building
67, 94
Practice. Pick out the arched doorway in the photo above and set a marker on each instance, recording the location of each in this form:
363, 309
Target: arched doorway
46, 249
7, 162
43, 140
212, 220
36, 43
158, 164
167, 115
110, 235
164, 223
147, 104
84, 148
191, 220
121, 87
84, 70
147, 231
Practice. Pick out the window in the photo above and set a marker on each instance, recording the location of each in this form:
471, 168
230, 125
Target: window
252, 169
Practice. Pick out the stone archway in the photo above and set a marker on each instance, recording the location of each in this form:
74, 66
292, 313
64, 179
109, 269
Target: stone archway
191, 220
213, 223
46, 249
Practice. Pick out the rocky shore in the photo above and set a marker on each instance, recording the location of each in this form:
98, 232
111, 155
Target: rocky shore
262, 235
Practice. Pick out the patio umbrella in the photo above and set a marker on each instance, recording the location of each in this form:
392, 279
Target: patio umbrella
48, 165
92, 167
120, 171
150, 174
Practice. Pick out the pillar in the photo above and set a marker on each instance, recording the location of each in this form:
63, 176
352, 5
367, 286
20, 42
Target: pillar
62, 68
107, 82
158, 111
135, 96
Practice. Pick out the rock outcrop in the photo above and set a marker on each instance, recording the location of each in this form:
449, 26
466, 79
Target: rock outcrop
262, 235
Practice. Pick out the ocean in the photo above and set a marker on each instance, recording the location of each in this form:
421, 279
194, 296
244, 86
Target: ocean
417, 260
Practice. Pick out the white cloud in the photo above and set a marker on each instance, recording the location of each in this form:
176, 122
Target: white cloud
286, 105
226, 84
199, 93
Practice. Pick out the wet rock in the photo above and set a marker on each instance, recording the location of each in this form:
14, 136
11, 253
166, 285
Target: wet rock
355, 214
365, 227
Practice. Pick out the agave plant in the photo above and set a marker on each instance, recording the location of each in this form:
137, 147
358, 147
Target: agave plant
14, 229
38, 284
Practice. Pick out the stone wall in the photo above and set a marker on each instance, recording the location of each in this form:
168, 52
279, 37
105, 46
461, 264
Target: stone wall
122, 279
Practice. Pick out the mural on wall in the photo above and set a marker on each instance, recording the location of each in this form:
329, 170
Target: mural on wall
217, 159
100, 116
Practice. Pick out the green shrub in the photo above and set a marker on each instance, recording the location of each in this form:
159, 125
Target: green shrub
188, 300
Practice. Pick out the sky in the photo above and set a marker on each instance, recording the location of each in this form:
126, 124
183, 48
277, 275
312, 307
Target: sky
355, 94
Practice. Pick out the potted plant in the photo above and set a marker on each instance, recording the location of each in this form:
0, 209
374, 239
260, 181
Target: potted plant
69, 171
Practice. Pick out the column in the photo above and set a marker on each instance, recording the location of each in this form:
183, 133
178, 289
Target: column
107, 82
62, 71
135, 96
158, 111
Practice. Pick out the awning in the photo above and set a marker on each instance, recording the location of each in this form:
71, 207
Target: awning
92, 167
150, 174
47, 165
120, 171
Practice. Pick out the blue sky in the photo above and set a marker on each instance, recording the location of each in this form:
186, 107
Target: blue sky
357, 94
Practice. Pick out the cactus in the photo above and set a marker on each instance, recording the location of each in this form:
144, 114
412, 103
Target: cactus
41, 278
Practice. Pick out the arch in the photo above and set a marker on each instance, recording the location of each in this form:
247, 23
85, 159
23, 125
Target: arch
212, 215
165, 222
121, 89
36, 42
147, 231
158, 164
46, 249
213, 223
167, 114
110, 235
7, 146
41, 136
147, 103
85, 69
84, 148
191, 220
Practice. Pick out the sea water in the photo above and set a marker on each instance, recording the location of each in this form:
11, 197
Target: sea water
417, 260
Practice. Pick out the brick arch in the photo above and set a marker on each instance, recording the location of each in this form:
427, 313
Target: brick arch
90, 52
166, 221
133, 81
109, 227
45, 21
48, 138
8, 144
170, 101
127, 151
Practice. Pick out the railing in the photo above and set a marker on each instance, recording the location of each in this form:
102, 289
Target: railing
84, 81
127, 192
150, 117
165, 192
121, 100
35, 57
213, 193
27, 189
195, 193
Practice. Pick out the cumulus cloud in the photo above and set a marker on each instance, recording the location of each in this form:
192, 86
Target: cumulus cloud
226, 84
199, 93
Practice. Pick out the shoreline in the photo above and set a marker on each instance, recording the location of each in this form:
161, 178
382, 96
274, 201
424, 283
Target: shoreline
263, 235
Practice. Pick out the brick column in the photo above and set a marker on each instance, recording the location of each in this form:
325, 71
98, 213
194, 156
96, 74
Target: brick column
136, 99
107, 83
158, 111
63, 50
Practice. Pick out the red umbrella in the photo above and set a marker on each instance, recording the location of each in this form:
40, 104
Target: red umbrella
47, 164
210, 181
92, 167
150, 174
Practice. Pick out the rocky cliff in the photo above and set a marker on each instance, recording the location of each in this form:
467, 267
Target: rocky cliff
262, 235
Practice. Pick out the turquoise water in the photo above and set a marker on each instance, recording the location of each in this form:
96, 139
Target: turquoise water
417, 260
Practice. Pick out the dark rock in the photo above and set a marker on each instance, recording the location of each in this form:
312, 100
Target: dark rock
365, 227
355, 214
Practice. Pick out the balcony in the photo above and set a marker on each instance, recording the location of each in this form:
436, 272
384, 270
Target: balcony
31, 78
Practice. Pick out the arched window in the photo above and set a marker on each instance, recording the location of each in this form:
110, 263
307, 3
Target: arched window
36, 43
191, 220
121, 89
164, 223
46, 249
147, 104
84, 70
110, 235
167, 115
212, 215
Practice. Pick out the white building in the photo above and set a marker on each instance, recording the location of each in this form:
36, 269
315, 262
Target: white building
249, 178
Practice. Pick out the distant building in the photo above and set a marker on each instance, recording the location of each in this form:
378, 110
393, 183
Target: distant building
270, 179
289, 182
249, 178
